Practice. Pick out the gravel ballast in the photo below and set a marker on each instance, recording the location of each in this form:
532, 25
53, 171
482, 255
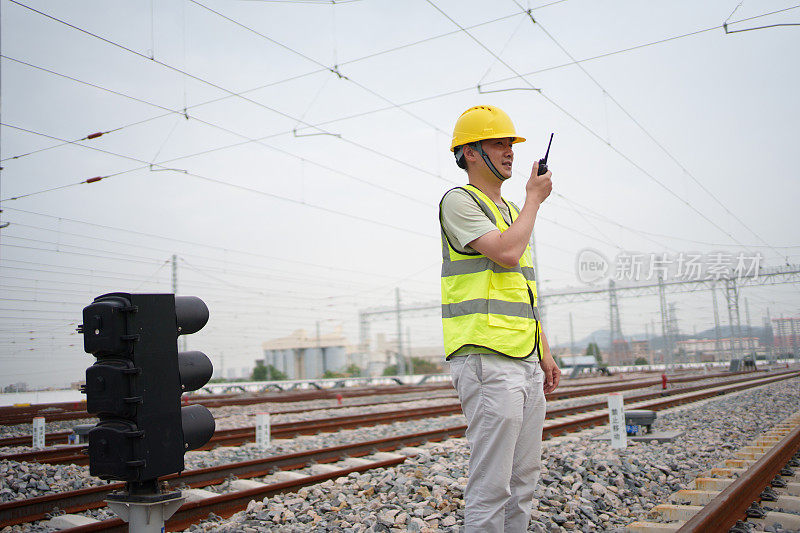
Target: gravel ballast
585, 485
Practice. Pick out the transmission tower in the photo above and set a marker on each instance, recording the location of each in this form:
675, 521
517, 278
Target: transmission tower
672, 323
662, 297
718, 342
732, 297
401, 362
751, 348
769, 338
616, 340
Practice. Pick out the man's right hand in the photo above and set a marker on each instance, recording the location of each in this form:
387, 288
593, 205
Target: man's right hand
538, 187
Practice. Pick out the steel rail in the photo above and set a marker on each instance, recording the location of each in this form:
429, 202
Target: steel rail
226, 505
721, 513
18, 511
23, 511
76, 454
62, 437
76, 410
67, 411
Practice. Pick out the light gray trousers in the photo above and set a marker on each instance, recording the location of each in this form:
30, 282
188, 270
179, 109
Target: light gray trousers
504, 404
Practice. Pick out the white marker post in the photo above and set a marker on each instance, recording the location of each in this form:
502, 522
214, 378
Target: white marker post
262, 430
38, 432
616, 417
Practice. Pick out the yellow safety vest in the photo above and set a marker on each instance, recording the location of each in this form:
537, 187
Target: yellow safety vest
485, 304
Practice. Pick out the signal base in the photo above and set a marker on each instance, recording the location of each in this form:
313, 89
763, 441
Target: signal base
145, 512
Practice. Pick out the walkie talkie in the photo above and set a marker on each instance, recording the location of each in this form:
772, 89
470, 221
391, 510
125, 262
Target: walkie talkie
543, 161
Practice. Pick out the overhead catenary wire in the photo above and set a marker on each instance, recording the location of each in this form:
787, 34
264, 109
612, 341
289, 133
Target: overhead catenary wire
649, 135
394, 49
334, 120
259, 141
260, 87
234, 278
250, 189
588, 211
96, 179
588, 129
212, 180
228, 91
225, 259
334, 69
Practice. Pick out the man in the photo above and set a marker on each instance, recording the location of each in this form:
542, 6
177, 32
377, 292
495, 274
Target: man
499, 357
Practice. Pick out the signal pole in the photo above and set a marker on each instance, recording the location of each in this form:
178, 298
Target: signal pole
732, 297
571, 336
750, 344
401, 364
718, 343
664, 330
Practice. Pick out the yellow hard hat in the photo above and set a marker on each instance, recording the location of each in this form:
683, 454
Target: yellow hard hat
483, 122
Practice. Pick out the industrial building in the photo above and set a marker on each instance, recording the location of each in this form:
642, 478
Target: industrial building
304, 356
786, 335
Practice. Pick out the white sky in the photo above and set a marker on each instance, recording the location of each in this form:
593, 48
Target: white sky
278, 232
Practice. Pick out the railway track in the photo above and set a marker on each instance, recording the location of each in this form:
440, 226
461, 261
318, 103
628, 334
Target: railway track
36, 508
77, 410
53, 412
62, 437
762, 477
76, 454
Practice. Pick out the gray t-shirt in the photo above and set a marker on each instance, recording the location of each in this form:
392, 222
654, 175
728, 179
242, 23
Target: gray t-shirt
464, 221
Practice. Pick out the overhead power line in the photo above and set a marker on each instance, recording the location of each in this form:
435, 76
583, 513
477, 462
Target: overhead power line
228, 91
334, 69
248, 189
585, 126
209, 179
388, 51
512, 78
646, 131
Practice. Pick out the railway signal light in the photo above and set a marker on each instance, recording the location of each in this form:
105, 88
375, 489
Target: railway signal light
135, 385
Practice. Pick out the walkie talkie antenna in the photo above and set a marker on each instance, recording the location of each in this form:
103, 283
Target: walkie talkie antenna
543, 161
548, 148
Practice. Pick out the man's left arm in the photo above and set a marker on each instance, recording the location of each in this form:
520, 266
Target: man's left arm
552, 374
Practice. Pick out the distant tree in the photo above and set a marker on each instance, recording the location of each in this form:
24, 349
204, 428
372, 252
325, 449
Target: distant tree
353, 370
264, 372
332, 374
226, 380
424, 366
418, 365
259, 372
640, 361
594, 350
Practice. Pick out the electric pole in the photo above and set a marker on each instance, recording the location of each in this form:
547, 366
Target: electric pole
718, 343
571, 336
664, 331
401, 364
750, 345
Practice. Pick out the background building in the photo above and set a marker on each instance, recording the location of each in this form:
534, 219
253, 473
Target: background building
786, 335
301, 356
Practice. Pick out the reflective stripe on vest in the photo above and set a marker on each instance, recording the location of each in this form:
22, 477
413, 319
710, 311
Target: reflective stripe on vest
485, 304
